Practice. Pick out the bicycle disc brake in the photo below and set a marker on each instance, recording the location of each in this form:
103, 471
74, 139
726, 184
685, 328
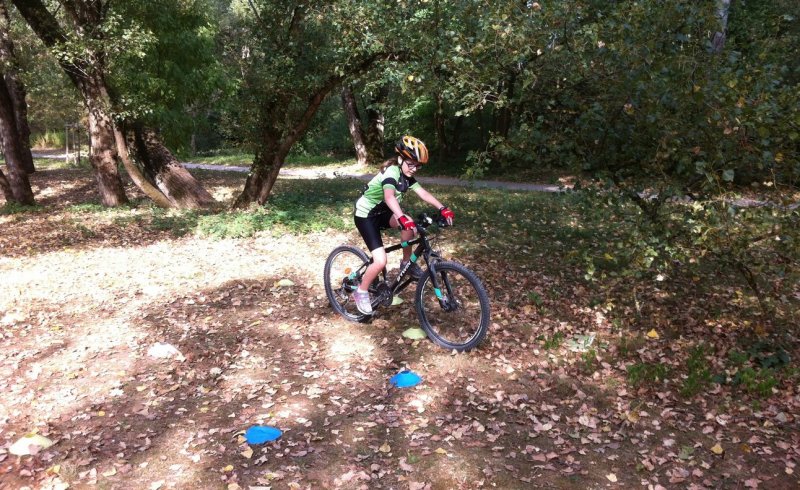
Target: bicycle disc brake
385, 295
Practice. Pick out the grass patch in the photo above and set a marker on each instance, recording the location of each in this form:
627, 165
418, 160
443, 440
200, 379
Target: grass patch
61, 163
11, 208
645, 373
552, 342
589, 362
698, 372
758, 369
234, 158
85, 208
758, 382
225, 158
297, 206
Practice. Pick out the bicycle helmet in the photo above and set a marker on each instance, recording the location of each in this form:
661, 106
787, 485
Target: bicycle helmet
412, 148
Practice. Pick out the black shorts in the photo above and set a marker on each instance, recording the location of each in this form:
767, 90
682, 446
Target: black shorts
370, 228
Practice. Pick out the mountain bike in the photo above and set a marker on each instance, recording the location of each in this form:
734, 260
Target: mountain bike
451, 303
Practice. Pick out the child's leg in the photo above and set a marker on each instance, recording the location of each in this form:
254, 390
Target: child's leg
405, 235
378, 263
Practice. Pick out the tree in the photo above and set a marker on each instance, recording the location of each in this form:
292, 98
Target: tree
87, 72
17, 182
93, 38
16, 90
376, 122
354, 125
291, 56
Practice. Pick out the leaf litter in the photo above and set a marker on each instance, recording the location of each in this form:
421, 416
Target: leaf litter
523, 409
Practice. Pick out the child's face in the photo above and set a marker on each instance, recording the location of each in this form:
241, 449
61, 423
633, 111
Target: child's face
410, 167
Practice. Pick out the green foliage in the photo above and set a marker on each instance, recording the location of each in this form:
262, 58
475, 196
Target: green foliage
758, 368
168, 75
11, 208
698, 374
647, 373
589, 361
553, 342
48, 139
298, 207
759, 382
672, 239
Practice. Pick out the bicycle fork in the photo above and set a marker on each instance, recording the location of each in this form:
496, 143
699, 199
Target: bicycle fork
447, 303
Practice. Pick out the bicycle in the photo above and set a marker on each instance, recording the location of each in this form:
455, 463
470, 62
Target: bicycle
451, 303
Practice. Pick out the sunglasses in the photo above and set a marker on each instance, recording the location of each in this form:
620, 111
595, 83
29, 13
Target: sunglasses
412, 165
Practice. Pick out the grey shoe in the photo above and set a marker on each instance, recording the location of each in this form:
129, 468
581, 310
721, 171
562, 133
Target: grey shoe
414, 269
362, 302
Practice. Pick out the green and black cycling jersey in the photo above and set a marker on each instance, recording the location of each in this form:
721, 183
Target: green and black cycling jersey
371, 201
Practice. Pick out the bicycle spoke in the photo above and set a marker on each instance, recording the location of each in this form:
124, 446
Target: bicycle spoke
343, 270
459, 321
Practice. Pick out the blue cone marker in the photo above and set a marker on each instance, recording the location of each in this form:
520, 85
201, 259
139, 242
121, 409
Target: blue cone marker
259, 434
405, 379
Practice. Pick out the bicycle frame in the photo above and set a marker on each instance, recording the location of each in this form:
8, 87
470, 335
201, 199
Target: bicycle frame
424, 251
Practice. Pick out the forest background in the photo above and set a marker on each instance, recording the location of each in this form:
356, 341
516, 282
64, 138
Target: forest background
675, 127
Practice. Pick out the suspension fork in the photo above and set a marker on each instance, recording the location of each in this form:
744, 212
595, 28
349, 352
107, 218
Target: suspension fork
445, 302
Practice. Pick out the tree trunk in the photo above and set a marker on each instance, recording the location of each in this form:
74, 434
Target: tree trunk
175, 183
273, 150
16, 89
439, 120
103, 153
89, 79
17, 176
136, 175
503, 121
455, 138
18, 95
375, 126
264, 172
6, 188
171, 178
275, 144
718, 41
354, 125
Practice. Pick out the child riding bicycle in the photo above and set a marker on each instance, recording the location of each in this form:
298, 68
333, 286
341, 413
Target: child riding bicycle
378, 208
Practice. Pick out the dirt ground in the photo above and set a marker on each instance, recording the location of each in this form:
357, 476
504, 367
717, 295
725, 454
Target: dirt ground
82, 304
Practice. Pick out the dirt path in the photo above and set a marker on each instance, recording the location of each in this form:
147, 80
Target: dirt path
313, 173
83, 302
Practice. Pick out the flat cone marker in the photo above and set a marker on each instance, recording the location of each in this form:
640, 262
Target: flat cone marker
405, 379
259, 434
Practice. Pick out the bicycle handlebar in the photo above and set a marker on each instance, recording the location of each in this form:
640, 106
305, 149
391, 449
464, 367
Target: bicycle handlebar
424, 221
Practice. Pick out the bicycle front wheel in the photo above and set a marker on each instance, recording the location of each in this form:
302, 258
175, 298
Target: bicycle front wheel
343, 270
457, 316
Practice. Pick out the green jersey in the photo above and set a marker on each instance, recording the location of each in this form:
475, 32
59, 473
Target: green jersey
371, 202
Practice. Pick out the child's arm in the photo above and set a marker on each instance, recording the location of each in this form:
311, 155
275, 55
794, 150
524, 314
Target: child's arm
428, 197
406, 223
391, 201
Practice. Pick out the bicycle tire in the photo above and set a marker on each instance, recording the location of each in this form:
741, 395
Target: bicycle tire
465, 327
341, 263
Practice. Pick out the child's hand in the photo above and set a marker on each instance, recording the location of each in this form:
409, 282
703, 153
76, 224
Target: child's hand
407, 223
447, 214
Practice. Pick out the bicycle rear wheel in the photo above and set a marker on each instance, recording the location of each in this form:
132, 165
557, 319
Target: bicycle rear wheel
343, 270
460, 321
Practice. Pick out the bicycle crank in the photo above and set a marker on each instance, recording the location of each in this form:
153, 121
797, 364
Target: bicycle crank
384, 294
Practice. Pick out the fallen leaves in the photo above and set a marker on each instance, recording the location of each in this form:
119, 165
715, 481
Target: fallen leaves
30, 444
